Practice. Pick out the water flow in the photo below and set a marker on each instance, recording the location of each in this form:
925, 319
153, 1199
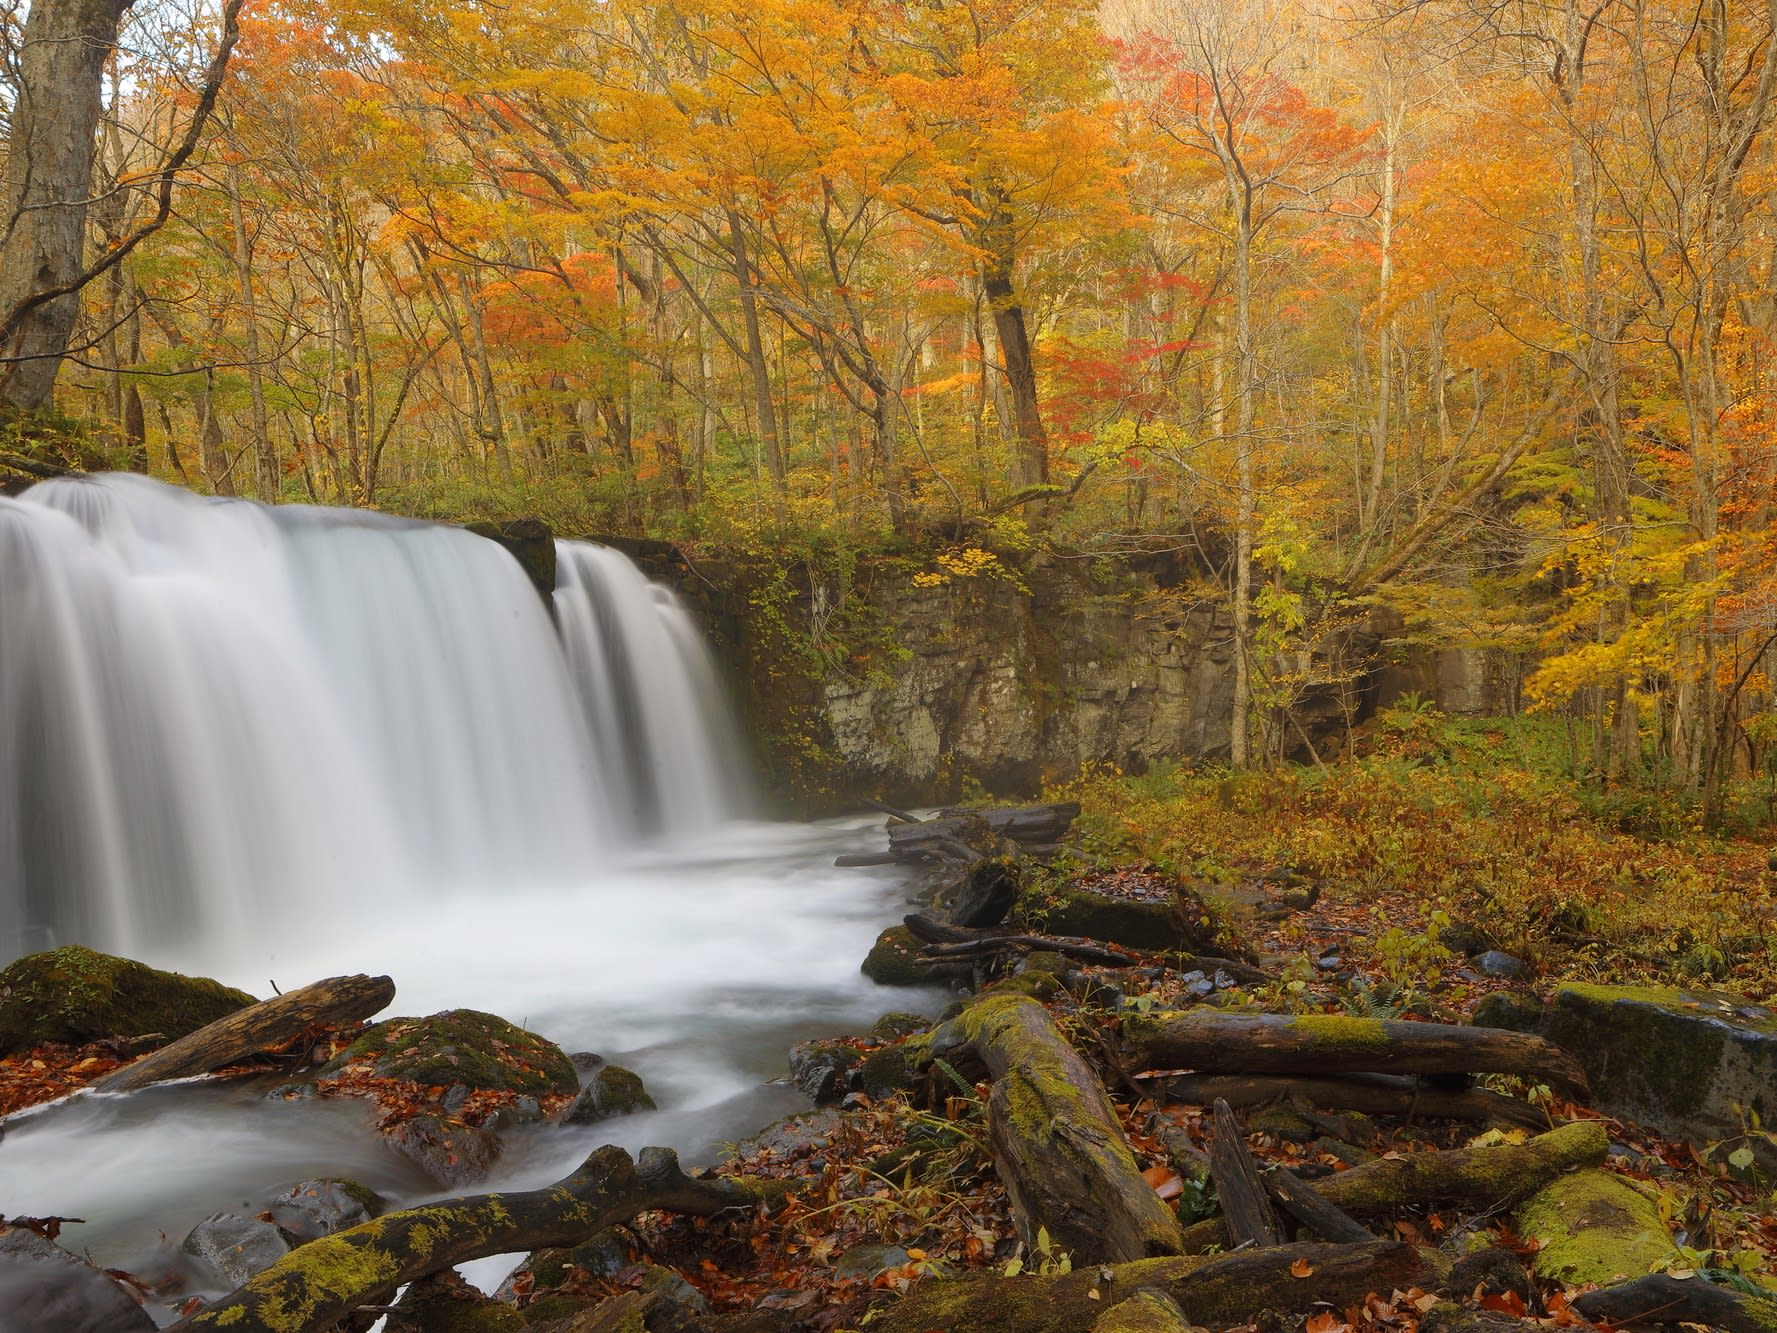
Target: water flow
219, 719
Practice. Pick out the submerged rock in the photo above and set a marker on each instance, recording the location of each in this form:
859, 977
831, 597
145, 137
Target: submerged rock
74, 995
461, 1046
1694, 1064
43, 1287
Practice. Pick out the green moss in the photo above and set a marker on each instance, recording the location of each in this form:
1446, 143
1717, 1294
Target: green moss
74, 995
894, 960
1356, 1034
1144, 1312
1594, 1227
464, 1046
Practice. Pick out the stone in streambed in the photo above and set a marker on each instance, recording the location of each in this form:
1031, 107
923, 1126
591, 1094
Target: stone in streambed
74, 995
232, 1249
316, 1208
43, 1287
612, 1091
894, 960
461, 1046
450, 1152
825, 1071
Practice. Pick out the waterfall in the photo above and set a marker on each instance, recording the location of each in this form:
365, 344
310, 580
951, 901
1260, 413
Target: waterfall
219, 718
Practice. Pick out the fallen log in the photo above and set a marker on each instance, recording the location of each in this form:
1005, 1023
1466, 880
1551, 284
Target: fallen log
1213, 1042
934, 932
1373, 1094
893, 812
319, 1283
1228, 1289
260, 1027
1056, 1141
963, 835
1661, 1298
858, 860
1310, 1207
1488, 1177
1246, 1208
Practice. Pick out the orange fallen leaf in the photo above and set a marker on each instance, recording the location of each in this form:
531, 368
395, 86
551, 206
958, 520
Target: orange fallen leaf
1166, 1182
1301, 1268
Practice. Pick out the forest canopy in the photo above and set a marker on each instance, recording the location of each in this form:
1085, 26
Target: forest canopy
1463, 307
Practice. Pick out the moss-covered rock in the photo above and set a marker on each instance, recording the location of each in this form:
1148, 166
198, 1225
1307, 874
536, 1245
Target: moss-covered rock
461, 1046
74, 995
1516, 1011
1692, 1063
885, 1072
1145, 1312
894, 960
825, 1071
1593, 1226
613, 1091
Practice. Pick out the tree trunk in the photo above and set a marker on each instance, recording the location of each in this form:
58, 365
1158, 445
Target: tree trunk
761, 372
48, 178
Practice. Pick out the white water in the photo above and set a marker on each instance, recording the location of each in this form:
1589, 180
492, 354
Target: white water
276, 745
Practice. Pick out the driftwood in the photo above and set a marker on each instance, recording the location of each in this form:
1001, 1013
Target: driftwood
1488, 1177
1228, 1289
1214, 1042
1373, 1094
962, 836
1246, 1208
1056, 1141
981, 943
319, 1283
1661, 1298
1310, 1207
259, 1027
893, 812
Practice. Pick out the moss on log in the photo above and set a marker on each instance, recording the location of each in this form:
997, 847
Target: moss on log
1660, 1299
1057, 1144
1215, 1042
319, 1283
1489, 1177
1228, 1289
1594, 1227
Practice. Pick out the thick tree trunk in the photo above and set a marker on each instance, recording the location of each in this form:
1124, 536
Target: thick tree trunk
319, 1283
259, 1027
48, 178
1216, 1042
1057, 1144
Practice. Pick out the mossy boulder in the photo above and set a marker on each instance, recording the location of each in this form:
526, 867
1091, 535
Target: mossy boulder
613, 1091
894, 960
74, 995
1515, 1011
1593, 1226
1690, 1063
461, 1046
824, 1071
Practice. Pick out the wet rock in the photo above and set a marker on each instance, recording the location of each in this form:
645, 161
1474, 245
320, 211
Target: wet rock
318, 1208
233, 1249
604, 1255
461, 1046
812, 1130
1516, 1011
824, 1071
885, 1072
1693, 1064
43, 1287
449, 1152
894, 960
899, 1026
73, 995
1495, 963
613, 1091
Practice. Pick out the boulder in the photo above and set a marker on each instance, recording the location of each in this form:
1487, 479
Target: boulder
316, 1208
461, 1046
1152, 922
613, 1091
448, 1151
1592, 1226
1693, 1064
824, 1071
232, 1249
73, 995
894, 960
44, 1287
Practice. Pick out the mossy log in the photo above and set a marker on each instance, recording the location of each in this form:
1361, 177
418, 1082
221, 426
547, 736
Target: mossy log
321, 1282
1228, 1289
1214, 1042
261, 1027
1148, 1311
1660, 1299
1488, 1177
1594, 1227
1056, 1141
1373, 1094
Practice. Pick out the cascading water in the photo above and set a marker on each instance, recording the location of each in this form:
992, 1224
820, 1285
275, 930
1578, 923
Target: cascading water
212, 712
275, 745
